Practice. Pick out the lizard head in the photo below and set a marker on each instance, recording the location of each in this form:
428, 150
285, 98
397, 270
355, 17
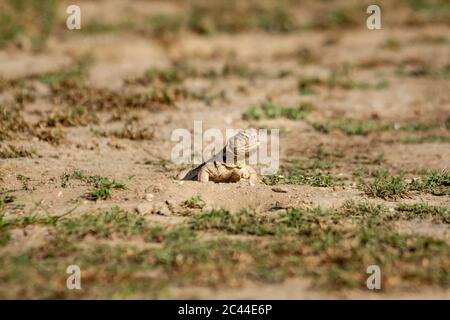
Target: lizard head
242, 145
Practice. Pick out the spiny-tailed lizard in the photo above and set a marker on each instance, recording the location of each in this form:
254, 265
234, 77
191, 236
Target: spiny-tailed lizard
229, 165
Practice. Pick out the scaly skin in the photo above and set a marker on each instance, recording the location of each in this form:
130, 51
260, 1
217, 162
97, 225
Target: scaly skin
229, 164
222, 172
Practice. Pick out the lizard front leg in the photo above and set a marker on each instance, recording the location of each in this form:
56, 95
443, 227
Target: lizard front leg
253, 175
248, 173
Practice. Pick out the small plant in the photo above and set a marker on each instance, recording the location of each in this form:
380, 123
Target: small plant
53, 136
173, 75
195, 202
101, 186
9, 29
24, 180
299, 173
386, 187
65, 177
11, 122
243, 222
426, 139
104, 224
436, 183
426, 72
278, 19
424, 211
360, 128
13, 152
163, 24
132, 132
306, 86
341, 77
27, 17
318, 179
4, 199
353, 127
77, 116
272, 111
325, 127
391, 187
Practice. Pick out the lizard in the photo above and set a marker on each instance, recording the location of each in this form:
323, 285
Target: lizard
228, 165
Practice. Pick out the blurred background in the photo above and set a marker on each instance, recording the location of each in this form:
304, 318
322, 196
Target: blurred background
29, 24
86, 175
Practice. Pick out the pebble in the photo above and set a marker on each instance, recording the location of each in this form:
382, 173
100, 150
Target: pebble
149, 197
279, 189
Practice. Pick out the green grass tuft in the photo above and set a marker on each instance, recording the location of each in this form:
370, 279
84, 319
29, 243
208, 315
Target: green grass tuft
392, 187
424, 211
272, 111
195, 202
101, 186
301, 173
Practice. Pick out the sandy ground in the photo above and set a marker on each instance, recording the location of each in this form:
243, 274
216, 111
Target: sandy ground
145, 165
